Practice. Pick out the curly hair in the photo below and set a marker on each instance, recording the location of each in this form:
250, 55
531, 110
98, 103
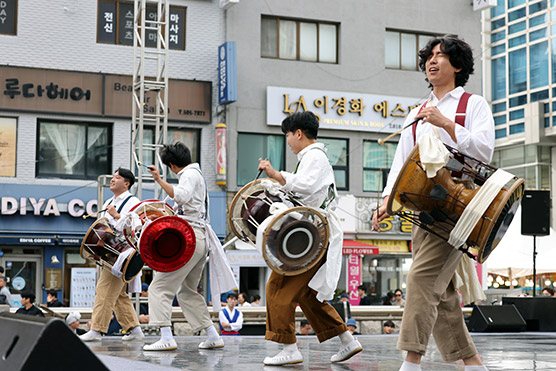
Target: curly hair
459, 52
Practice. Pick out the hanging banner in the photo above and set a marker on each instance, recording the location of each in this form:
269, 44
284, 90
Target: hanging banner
353, 277
221, 154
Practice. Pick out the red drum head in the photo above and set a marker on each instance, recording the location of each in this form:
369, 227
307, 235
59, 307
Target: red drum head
167, 244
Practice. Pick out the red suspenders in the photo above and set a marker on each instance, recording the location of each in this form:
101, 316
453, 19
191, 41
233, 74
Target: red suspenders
460, 113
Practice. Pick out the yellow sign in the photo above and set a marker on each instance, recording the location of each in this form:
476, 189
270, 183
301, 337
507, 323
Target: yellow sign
389, 246
8, 139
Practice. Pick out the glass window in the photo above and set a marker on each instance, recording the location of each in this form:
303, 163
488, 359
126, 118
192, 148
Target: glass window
553, 120
511, 156
288, 39
539, 34
392, 50
308, 41
328, 43
517, 128
518, 27
537, 7
540, 95
545, 176
516, 41
500, 133
544, 154
409, 51
499, 9
553, 58
498, 49
269, 37
516, 14
518, 101
115, 24
518, 70
377, 161
547, 122
516, 115
514, 3
497, 24
538, 20
499, 78
538, 65
338, 155
498, 107
498, 36
500, 120
553, 27
77, 150
251, 147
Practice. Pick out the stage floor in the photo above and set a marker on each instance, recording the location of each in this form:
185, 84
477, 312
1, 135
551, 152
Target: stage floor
509, 351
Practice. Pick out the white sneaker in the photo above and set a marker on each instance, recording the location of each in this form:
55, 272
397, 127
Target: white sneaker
161, 345
90, 336
212, 344
347, 351
284, 359
131, 337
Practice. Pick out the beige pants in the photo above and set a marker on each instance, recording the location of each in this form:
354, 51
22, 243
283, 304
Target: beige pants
184, 282
111, 297
432, 305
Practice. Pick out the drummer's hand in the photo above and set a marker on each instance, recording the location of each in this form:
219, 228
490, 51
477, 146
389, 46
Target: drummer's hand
270, 171
154, 172
379, 215
436, 118
110, 209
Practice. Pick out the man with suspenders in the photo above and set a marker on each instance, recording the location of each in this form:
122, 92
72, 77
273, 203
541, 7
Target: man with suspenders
465, 122
111, 295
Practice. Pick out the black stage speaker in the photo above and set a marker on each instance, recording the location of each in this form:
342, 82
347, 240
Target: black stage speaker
538, 312
535, 213
496, 318
34, 343
344, 309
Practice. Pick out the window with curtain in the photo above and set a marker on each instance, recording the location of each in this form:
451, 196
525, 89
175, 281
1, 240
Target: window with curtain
190, 137
293, 39
337, 151
377, 161
251, 147
78, 150
402, 49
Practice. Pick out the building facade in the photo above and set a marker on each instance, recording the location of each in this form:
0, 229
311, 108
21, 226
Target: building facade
355, 66
65, 119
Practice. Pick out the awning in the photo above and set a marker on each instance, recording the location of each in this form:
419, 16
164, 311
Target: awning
360, 248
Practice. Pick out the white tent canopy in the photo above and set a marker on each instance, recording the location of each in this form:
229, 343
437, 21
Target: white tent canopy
515, 251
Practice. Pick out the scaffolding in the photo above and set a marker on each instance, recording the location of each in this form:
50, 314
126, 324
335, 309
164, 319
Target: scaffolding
150, 81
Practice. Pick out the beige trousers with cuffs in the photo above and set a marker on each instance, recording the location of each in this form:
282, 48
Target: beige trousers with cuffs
432, 305
111, 297
182, 282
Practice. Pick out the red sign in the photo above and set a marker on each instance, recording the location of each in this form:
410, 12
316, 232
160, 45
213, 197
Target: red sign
360, 250
353, 278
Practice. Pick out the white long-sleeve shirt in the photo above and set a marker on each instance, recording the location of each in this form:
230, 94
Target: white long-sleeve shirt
475, 139
117, 202
235, 326
190, 192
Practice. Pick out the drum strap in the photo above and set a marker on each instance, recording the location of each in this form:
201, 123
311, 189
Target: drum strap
123, 203
460, 113
205, 217
331, 194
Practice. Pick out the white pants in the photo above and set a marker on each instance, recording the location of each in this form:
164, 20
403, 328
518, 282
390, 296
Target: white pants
184, 282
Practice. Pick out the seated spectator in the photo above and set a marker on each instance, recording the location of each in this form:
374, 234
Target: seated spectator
52, 299
343, 297
144, 307
305, 327
27, 307
548, 291
362, 291
398, 299
242, 298
231, 319
256, 301
388, 327
72, 320
352, 326
5, 295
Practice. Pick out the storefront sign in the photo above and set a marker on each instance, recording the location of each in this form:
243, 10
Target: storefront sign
26, 240
53, 278
8, 17
360, 250
227, 73
390, 246
221, 154
44, 207
8, 142
250, 258
94, 94
341, 110
353, 278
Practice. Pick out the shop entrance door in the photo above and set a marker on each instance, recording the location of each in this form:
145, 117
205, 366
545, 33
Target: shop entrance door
24, 273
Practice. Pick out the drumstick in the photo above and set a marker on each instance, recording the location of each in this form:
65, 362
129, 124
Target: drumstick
148, 167
93, 214
260, 171
382, 141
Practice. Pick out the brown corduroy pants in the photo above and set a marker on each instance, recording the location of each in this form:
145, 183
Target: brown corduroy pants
283, 293
432, 304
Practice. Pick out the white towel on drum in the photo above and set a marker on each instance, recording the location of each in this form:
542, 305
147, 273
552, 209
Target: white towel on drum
135, 284
433, 152
477, 207
466, 281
